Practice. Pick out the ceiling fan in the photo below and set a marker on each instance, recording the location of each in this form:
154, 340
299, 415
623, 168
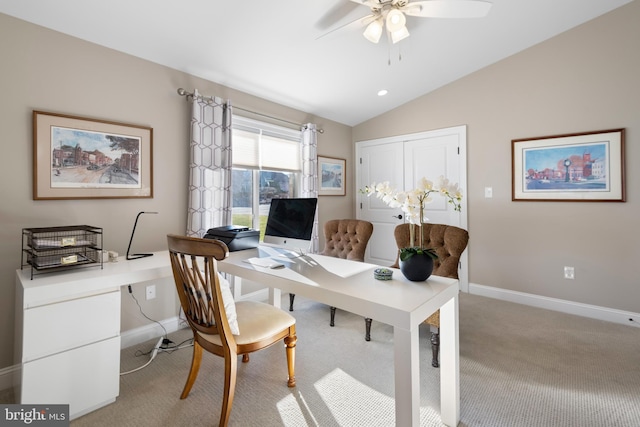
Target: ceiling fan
393, 13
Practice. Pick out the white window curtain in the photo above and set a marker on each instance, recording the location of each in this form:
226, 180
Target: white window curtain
310, 174
209, 165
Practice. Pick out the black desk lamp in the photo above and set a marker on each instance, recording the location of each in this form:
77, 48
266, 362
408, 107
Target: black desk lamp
136, 256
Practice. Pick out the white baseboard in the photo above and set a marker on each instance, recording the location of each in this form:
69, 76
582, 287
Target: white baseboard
150, 331
564, 306
7, 376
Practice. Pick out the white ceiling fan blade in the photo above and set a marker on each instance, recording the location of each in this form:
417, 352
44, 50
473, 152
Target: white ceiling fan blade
370, 3
335, 14
355, 24
447, 8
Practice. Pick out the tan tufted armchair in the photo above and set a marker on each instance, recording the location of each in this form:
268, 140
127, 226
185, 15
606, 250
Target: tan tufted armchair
347, 239
449, 243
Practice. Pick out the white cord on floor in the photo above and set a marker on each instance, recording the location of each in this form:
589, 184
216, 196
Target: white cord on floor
154, 353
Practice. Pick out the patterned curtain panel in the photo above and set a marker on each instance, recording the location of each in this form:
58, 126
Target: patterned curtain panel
310, 173
209, 166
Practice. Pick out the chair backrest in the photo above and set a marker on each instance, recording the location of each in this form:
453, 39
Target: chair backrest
194, 265
448, 241
347, 238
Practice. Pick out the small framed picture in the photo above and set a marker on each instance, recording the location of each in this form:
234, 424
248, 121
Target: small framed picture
332, 176
580, 167
81, 158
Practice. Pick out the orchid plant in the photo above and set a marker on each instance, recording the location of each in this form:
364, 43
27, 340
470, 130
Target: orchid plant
413, 204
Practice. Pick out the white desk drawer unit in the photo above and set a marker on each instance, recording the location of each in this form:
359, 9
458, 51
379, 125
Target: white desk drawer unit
54, 328
71, 352
67, 337
86, 377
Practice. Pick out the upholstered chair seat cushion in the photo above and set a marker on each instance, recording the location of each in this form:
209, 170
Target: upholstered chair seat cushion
434, 319
263, 321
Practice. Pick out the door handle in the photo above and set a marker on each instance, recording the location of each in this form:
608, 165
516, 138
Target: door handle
397, 216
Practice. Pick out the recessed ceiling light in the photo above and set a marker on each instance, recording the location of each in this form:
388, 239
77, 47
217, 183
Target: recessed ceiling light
382, 92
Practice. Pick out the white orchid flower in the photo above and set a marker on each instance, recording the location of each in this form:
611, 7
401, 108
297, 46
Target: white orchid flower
441, 183
412, 202
424, 185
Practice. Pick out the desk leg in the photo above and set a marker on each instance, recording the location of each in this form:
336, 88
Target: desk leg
406, 362
449, 363
275, 297
236, 284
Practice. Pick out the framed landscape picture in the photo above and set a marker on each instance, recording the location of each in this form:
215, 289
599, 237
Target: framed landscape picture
81, 158
581, 167
332, 176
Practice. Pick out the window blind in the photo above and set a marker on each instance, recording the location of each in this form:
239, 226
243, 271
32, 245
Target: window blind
258, 145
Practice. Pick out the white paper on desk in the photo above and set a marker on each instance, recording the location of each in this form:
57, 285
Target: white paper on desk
264, 262
341, 267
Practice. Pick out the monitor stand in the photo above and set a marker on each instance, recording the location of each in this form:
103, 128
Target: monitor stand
269, 250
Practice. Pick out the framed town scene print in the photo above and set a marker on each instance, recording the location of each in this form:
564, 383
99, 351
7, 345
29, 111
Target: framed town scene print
574, 167
331, 173
80, 158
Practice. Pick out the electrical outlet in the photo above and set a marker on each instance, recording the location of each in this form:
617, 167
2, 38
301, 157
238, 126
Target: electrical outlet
151, 292
488, 192
569, 273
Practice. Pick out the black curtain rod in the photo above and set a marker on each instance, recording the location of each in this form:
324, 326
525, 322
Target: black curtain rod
183, 92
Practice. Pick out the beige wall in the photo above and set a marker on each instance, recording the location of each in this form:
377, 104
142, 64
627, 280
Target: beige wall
46, 70
583, 80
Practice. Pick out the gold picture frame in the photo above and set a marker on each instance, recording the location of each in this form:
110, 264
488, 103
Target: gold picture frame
82, 158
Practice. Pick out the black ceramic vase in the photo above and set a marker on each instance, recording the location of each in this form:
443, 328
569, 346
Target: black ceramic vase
417, 268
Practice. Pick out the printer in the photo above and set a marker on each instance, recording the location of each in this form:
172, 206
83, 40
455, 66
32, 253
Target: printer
236, 237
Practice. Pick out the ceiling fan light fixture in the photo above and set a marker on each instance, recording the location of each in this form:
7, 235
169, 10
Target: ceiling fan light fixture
395, 20
373, 31
398, 35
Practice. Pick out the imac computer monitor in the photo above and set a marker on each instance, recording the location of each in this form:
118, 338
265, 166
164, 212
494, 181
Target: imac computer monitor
290, 223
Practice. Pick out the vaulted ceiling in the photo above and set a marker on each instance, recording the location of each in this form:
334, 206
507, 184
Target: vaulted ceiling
274, 49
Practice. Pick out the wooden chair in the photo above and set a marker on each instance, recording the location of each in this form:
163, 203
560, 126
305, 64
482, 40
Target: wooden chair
449, 243
346, 239
209, 306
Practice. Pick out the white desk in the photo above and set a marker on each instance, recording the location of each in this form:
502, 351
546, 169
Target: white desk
68, 324
350, 285
67, 337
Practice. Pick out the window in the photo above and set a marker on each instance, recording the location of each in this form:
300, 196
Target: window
267, 164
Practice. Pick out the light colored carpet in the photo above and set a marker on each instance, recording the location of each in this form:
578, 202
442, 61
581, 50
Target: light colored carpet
519, 366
